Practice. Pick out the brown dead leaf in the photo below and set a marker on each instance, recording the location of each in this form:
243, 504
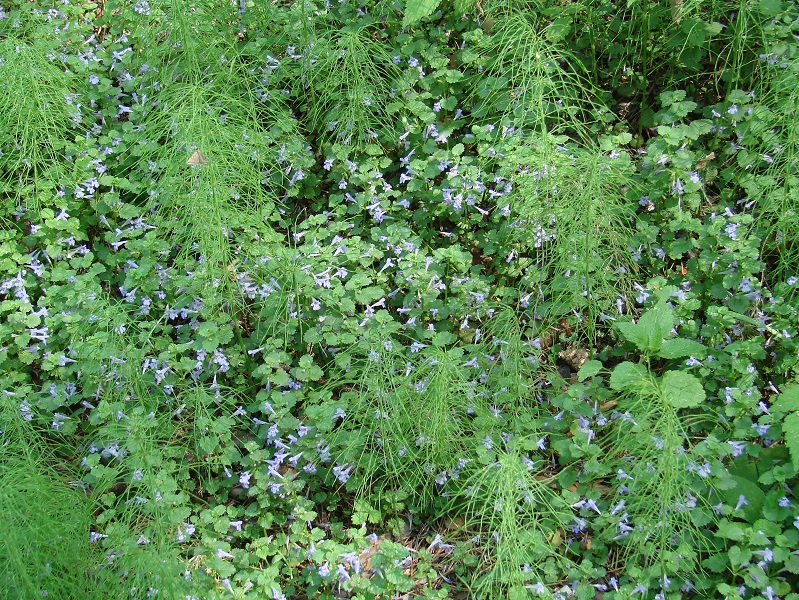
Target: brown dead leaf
701, 164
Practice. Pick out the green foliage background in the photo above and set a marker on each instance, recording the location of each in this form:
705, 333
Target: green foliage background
398, 299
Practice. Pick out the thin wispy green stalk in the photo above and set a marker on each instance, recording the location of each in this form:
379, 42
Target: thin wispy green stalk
570, 215
349, 77
660, 484
512, 375
406, 418
44, 532
40, 117
518, 519
529, 82
137, 471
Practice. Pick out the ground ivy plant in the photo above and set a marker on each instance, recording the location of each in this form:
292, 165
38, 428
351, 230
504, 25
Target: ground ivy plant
398, 299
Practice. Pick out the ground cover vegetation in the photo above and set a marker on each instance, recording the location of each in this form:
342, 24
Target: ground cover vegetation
399, 299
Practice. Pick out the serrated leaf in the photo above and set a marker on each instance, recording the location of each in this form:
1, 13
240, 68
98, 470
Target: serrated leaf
589, 369
666, 292
792, 564
682, 390
717, 563
680, 347
416, 10
788, 400
558, 29
738, 557
442, 338
220, 567
654, 325
632, 332
307, 373
790, 431
657, 322
627, 376
279, 377
369, 294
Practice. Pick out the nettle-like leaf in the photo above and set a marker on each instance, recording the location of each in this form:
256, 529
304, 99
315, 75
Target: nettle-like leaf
653, 326
628, 376
788, 402
680, 347
682, 390
790, 429
416, 10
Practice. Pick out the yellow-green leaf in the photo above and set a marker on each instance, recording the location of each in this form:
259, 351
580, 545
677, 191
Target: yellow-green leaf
416, 10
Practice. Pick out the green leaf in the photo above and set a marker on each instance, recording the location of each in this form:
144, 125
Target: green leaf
717, 563
738, 556
279, 377
559, 29
369, 294
627, 376
416, 10
308, 370
658, 322
790, 430
632, 332
788, 400
770, 8
654, 325
220, 567
744, 476
696, 32
679, 347
443, 338
730, 530
682, 390
589, 369
364, 512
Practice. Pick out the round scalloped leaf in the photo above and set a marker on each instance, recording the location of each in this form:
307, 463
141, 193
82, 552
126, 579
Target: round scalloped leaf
682, 390
628, 376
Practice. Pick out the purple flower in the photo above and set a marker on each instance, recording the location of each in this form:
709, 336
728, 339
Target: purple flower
342, 473
578, 525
